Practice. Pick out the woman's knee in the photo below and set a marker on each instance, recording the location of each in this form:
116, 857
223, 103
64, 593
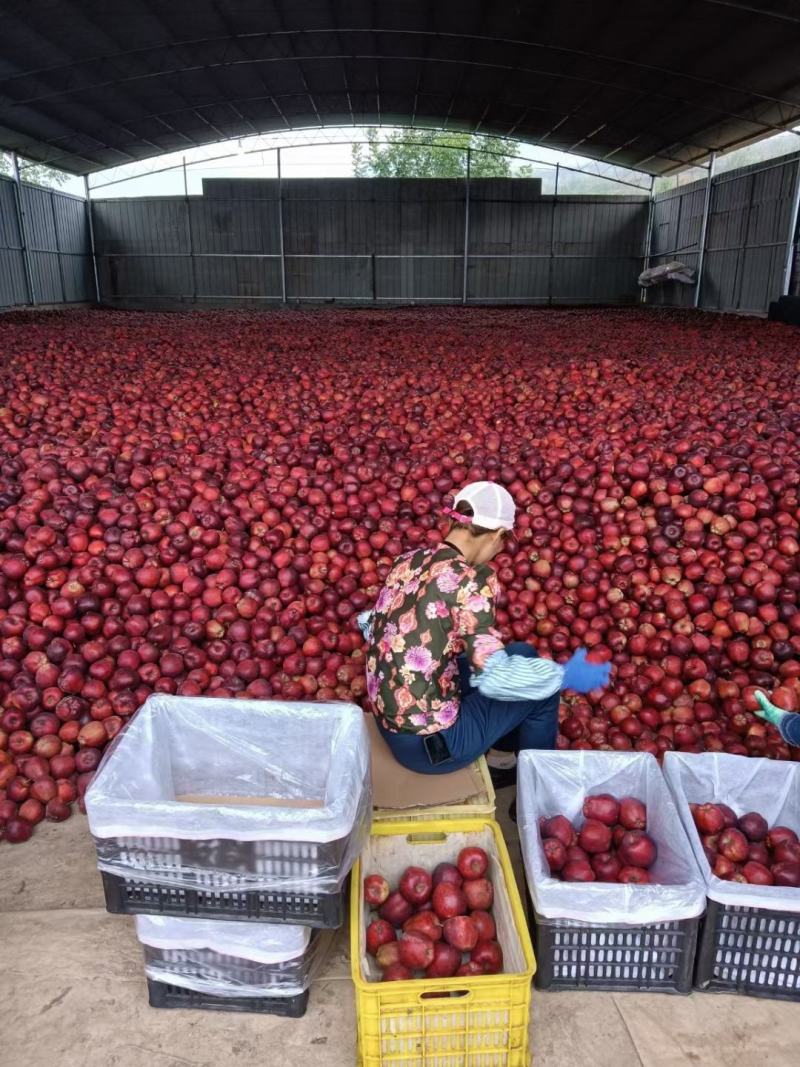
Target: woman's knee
522, 648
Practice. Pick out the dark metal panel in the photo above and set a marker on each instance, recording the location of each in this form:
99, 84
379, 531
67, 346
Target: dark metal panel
590, 281
71, 226
234, 225
420, 279
13, 286
39, 227
335, 278
236, 276
78, 278
9, 227
46, 277
506, 278
142, 225
137, 276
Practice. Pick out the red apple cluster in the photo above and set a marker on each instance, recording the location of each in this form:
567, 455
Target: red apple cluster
745, 848
611, 844
435, 924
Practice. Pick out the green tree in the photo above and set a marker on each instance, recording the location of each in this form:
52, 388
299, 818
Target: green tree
34, 173
429, 154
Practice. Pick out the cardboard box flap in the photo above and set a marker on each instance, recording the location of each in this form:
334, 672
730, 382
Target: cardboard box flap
395, 787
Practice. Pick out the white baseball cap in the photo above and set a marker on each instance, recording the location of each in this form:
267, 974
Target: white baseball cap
492, 505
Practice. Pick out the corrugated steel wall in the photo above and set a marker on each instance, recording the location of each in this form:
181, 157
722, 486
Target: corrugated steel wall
369, 240
750, 212
55, 236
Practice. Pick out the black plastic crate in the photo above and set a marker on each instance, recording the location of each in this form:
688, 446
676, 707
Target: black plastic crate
131, 897
749, 950
163, 995
617, 958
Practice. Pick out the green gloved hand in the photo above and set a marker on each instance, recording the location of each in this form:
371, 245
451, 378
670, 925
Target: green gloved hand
769, 711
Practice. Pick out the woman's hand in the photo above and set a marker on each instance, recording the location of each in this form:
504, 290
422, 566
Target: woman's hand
583, 676
768, 710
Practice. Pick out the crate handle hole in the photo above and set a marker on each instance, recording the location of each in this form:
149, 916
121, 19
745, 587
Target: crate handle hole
450, 994
432, 838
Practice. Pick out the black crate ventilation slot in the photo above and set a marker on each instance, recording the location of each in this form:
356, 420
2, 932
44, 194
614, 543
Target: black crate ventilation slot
750, 950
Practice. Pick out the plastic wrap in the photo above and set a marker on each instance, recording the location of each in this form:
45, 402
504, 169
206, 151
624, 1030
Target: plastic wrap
551, 783
224, 959
293, 787
770, 787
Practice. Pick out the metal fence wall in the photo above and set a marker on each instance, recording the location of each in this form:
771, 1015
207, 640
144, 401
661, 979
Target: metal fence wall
364, 240
45, 251
747, 247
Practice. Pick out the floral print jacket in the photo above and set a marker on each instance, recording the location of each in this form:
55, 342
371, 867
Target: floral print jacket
433, 607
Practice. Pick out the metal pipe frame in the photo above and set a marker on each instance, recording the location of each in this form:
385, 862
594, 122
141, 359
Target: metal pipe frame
703, 231
189, 234
464, 281
281, 243
22, 230
791, 237
90, 221
58, 250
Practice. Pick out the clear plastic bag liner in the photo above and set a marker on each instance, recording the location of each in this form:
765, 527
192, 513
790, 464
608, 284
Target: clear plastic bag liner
315, 757
553, 783
206, 970
770, 787
258, 942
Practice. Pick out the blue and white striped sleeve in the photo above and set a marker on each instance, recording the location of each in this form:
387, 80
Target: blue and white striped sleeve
507, 677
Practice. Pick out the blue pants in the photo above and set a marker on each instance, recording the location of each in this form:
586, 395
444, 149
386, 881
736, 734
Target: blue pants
483, 723
790, 729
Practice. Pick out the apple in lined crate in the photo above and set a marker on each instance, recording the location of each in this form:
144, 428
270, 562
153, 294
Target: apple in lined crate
434, 924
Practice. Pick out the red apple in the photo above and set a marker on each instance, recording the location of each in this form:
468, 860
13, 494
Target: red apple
633, 876
479, 893
396, 909
489, 956
379, 932
487, 931
376, 890
388, 954
396, 972
416, 951
461, 932
733, 845
445, 963
424, 922
447, 872
470, 969
472, 862
449, 900
415, 885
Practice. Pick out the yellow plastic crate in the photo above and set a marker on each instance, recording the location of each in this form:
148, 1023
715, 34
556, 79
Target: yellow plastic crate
442, 1022
479, 806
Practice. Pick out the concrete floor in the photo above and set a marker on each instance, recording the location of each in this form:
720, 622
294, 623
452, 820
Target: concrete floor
73, 994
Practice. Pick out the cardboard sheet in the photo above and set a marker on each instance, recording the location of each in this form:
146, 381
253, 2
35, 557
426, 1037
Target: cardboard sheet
395, 787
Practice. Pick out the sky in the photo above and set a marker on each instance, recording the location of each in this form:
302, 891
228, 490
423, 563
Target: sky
328, 157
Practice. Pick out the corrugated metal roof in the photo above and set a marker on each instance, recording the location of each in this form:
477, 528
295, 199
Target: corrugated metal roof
85, 85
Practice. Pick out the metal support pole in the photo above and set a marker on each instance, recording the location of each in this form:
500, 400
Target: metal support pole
703, 230
280, 230
791, 237
648, 239
58, 246
189, 236
552, 253
23, 240
466, 229
88, 194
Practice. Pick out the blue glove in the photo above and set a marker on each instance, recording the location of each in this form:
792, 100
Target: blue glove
768, 711
583, 676
364, 621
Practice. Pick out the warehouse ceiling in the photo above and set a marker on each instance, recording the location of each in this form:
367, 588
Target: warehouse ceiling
91, 84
